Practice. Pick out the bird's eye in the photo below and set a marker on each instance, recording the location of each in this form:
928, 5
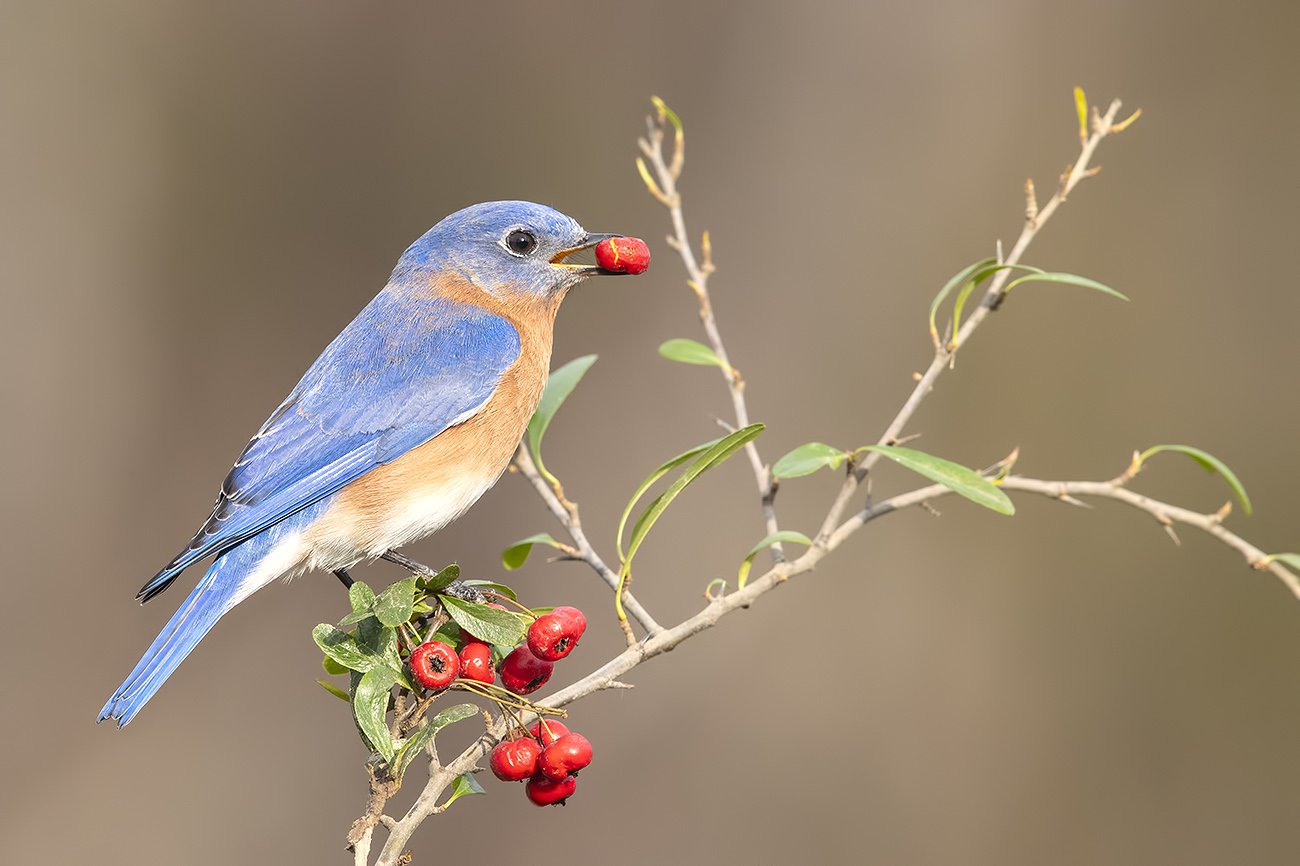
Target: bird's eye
521, 242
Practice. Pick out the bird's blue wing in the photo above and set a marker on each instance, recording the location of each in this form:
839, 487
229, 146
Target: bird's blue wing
399, 374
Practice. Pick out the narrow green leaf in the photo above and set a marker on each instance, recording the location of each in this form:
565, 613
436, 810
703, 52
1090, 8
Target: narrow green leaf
1291, 560
395, 604
559, 386
434, 584
486, 623
960, 278
717, 453
422, 737
493, 586
335, 691
957, 478
775, 538
1209, 462
516, 554
1081, 108
343, 648
659, 472
690, 352
462, 785
1068, 279
807, 459
370, 708
332, 667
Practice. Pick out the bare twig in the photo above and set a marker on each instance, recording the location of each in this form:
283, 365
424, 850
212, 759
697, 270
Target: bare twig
698, 270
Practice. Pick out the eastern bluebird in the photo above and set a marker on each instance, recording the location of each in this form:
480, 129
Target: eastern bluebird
401, 424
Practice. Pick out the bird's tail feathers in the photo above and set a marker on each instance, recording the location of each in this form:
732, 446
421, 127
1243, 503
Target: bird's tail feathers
215, 594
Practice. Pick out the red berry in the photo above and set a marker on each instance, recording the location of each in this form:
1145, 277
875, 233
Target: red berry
515, 760
549, 732
524, 673
565, 757
434, 664
476, 662
623, 255
547, 792
552, 636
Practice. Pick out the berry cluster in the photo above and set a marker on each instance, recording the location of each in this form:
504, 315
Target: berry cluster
525, 669
549, 757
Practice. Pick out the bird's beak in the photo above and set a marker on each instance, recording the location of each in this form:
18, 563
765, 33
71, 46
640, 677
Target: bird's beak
578, 268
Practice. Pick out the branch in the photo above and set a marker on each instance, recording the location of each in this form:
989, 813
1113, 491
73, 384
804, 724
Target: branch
1165, 513
1035, 219
582, 549
663, 187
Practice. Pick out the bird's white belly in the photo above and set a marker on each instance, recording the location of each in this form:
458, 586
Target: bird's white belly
344, 536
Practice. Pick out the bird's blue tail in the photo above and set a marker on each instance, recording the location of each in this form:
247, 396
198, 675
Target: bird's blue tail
215, 594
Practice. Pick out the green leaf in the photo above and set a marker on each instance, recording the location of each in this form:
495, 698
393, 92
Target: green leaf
690, 352
462, 785
1068, 279
775, 538
1291, 560
434, 584
486, 623
355, 617
559, 386
361, 596
1209, 462
957, 478
370, 708
960, 278
712, 456
335, 691
344, 649
807, 459
487, 585
660, 471
332, 667
422, 737
516, 554
395, 604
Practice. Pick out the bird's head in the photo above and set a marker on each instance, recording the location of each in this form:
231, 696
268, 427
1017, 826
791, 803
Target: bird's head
513, 250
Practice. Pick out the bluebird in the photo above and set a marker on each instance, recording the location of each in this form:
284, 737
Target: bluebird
403, 422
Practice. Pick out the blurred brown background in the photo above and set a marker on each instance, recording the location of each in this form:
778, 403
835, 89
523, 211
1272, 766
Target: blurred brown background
196, 198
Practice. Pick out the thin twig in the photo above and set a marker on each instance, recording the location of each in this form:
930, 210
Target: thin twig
943, 355
582, 549
698, 271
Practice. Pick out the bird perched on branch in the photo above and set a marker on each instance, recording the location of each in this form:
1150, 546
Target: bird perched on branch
401, 424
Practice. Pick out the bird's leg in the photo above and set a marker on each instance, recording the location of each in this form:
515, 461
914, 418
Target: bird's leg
455, 588
344, 578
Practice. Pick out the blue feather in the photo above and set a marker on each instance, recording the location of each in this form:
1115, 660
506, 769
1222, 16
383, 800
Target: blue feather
399, 374
214, 595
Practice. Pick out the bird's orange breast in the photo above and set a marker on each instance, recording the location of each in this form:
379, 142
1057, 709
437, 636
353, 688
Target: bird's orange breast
431, 485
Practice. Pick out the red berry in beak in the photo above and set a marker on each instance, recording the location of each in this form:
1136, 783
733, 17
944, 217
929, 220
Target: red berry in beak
524, 673
566, 756
434, 665
545, 792
515, 760
476, 662
552, 636
548, 733
623, 255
